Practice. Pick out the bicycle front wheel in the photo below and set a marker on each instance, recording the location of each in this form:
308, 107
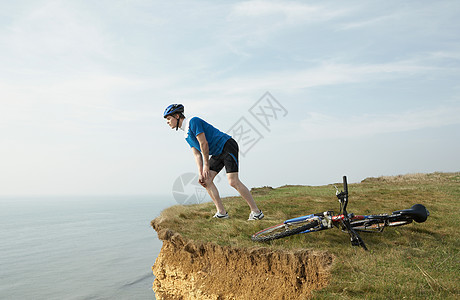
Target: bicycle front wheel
284, 230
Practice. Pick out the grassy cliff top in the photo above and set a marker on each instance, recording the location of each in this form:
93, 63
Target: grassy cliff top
417, 260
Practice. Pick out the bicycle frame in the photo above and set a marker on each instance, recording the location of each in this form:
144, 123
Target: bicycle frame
329, 220
347, 222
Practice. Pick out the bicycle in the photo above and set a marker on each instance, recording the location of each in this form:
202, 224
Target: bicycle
347, 222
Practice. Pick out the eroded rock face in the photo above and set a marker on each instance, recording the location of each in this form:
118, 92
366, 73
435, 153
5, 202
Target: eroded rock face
192, 270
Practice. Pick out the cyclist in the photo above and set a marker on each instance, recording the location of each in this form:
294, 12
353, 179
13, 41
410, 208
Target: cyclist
205, 140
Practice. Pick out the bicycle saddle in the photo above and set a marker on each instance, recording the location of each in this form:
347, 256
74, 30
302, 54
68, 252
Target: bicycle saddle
418, 212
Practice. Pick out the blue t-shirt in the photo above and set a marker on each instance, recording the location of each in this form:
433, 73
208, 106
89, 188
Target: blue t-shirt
216, 138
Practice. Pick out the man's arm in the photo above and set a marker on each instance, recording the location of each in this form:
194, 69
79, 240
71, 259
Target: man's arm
198, 159
205, 154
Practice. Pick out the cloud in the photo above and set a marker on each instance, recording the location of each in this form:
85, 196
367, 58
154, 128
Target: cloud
53, 36
445, 55
291, 12
322, 126
368, 22
324, 74
253, 23
77, 105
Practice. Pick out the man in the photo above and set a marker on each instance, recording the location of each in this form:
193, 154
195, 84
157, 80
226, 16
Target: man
206, 140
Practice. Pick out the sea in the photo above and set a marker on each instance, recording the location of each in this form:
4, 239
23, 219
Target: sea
78, 247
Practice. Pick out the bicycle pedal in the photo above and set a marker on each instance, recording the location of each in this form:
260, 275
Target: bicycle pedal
355, 242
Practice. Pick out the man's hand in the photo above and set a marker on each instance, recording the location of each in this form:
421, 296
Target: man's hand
204, 176
201, 181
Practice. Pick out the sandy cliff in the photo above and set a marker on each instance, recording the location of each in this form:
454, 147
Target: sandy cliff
188, 269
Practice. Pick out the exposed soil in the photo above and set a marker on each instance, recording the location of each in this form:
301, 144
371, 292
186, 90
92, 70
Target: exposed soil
188, 269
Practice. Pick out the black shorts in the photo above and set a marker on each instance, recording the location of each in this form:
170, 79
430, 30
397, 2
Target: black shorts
228, 158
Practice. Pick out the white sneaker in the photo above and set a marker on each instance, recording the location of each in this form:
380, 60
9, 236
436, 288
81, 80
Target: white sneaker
256, 216
220, 216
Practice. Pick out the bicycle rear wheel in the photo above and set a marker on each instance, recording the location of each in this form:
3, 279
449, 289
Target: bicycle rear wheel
284, 230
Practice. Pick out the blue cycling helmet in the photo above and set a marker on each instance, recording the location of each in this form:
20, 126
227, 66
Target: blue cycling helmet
173, 109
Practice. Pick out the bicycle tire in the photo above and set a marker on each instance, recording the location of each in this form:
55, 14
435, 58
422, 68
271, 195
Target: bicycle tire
281, 231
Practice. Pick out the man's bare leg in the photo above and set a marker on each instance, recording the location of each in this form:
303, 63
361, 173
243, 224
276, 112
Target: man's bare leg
214, 193
236, 183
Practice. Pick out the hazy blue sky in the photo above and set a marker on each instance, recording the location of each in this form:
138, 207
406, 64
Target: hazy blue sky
368, 88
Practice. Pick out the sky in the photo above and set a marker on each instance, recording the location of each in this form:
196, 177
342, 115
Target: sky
321, 89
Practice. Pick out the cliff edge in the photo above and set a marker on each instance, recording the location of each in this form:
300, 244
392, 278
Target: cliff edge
188, 269
205, 258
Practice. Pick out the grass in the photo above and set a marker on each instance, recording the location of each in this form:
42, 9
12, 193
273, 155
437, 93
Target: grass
408, 262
